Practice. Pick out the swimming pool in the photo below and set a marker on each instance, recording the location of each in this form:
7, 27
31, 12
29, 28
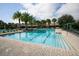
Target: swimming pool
46, 36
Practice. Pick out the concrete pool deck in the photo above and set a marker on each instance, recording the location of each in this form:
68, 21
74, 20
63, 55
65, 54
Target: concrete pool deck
17, 48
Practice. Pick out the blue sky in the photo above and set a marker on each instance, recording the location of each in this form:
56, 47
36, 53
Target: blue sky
40, 11
7, 10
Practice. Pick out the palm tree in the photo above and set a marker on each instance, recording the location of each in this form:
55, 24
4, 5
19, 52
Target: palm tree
48, 21
54, 20
34, 22
25, 18
17, 15
43, 22
38, 23
31, 20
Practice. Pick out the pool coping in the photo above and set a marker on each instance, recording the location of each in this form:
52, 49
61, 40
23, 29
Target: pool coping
10, 32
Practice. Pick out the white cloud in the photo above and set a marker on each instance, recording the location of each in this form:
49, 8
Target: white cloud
40, 11
48, 10
71, 8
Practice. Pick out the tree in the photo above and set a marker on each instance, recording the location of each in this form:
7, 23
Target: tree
31, 20
38, 23
25, 18
11, 26
17, 15
54, 20
48, 21
2, 24
76, 25
43, 22
64, 20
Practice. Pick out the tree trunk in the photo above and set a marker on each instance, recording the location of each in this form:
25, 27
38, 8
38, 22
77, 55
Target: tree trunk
54, 24
26, 25
49, 24
19, 23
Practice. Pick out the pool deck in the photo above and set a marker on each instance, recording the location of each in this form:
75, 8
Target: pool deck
17, 48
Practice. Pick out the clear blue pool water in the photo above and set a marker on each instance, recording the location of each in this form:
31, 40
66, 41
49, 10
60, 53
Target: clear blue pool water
46, 36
